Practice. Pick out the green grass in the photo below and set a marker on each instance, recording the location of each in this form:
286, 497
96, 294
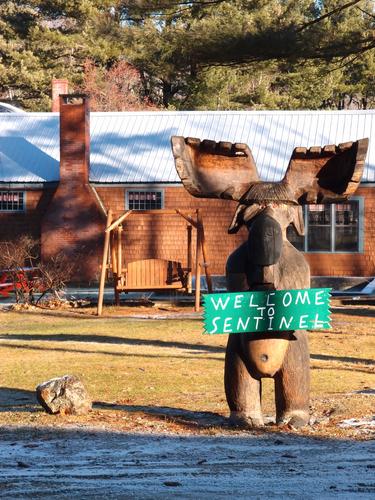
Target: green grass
158, 363
145, 362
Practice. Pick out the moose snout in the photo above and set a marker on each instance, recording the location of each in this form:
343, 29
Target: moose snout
252, 265
265, 240
262, 278
264, 247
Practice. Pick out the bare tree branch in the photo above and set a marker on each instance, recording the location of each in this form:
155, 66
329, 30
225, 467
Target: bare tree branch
328, 14
365, 12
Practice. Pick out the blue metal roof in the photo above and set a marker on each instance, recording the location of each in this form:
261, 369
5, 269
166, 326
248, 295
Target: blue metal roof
135, 147
29, 147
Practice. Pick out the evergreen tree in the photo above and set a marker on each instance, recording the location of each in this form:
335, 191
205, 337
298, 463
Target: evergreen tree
196, 54
274, 54
41, 40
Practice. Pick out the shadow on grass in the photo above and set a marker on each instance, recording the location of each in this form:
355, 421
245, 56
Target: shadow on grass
103, 339
363, 311
107, 353
110, 339
164, 315
344, 369
190, 419
17, 400
344, 359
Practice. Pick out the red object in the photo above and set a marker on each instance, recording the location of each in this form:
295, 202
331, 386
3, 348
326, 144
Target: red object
5, 286
24, 280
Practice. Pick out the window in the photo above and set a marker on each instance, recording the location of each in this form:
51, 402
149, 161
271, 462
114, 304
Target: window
12, 201
319, 226
144, 200
331, 228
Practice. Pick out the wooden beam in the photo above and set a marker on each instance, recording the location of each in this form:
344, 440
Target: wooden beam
114, 264
104, 265
118, 254
119, 250
198, 270
118, 221
113, 253
159, 211
99, 202
189, 258
204, 254
155, 211
144, 288
187, 218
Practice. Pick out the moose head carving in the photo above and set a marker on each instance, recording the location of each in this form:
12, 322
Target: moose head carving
267, 260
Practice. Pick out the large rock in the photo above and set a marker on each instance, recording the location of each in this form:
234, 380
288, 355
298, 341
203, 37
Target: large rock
64, 395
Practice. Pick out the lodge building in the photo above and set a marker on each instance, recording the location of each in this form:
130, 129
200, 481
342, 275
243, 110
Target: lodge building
61, 172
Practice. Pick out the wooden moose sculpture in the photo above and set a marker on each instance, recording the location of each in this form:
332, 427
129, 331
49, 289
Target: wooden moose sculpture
267, 260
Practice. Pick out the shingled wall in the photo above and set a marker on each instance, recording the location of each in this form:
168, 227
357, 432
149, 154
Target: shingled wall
15, 224
159, 236
165, 236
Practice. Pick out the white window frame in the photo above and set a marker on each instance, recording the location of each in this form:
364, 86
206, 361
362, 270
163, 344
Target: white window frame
153, 189
17, 211
360, 201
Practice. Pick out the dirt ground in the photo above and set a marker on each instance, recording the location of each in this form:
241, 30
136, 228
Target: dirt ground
126, 449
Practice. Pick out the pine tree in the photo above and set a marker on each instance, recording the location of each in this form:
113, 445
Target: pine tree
274, 54
41, 40
200, 54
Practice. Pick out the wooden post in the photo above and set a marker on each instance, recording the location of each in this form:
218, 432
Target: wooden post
198, 268
189, 258
204, 254
119, 263
119, 250
187, 218
104, 265
113, 253
114, 266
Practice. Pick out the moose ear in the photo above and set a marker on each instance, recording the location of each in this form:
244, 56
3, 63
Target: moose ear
297, 220
243, 215
210, 169
328, 174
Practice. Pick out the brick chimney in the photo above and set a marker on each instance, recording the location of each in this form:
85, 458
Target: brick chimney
59, 86
74, 222
74, 139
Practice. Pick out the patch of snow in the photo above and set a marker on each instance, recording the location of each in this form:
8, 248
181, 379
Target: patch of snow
368, 391
358, 422
84, 463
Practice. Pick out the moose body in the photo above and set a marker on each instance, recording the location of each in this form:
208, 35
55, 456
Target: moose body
267, 261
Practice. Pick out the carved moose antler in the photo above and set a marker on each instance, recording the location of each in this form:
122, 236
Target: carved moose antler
224, 170
214, 170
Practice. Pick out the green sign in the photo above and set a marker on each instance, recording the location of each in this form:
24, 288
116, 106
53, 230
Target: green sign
270, 311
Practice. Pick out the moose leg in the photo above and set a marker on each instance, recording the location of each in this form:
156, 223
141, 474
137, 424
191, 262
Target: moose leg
242, 390
292, 384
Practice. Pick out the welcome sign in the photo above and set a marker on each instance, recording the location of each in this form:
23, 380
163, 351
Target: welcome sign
267, 311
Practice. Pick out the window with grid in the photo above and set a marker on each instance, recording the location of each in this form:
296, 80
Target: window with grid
12, 201
144, 199
331, 228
